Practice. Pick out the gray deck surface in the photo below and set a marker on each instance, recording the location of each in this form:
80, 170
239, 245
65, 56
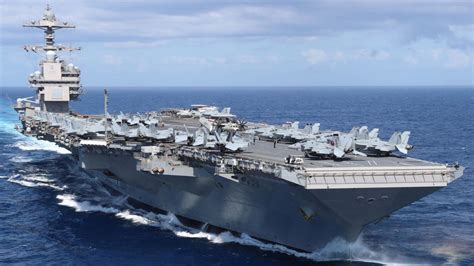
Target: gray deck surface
264, 150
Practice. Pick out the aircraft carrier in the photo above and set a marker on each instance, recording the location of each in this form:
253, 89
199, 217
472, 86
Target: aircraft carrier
299, 187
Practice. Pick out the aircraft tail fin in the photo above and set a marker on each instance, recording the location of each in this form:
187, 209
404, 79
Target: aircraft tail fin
395, 138
354, 131
206, 123
374, 133
363, 133
315, 128
226, 110
404, 137
125, 127
295, 125
152, 128
142, 129
345, 143
307, 129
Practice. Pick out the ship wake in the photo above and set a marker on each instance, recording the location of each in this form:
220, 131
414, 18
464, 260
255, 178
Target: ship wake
337, 250
31, 180
39, 145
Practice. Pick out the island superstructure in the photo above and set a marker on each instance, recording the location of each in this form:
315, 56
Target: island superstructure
297, 187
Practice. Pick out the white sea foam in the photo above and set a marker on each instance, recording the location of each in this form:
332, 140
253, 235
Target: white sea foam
83, 206
32, 181
35, 145
37, 178
20, 159
135, 218
338, 249
454, 252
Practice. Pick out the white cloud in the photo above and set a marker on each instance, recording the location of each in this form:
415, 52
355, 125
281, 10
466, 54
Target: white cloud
249, 59
457, 58
382, 55
436, 53
134, 44
411, 59
243, 59
441, 57
463, 31
253, 59
220, 60
340, 56
187, 60
364, 54
148, 21
315, 56
110, 59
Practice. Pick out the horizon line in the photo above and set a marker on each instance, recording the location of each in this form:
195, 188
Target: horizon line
259, 86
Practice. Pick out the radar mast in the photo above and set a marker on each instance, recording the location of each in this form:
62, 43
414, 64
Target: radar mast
56, 82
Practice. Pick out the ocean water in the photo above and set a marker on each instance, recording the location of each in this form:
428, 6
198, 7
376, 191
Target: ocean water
53, 213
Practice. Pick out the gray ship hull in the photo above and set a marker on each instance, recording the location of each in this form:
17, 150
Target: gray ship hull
265, 208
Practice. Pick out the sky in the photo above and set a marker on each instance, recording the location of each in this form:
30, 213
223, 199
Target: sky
250, 43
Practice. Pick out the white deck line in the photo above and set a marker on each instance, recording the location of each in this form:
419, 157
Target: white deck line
376, 185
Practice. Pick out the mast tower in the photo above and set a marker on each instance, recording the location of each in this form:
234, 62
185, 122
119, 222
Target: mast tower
56, 82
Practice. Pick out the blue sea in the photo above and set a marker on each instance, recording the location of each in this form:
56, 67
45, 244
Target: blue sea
53, 213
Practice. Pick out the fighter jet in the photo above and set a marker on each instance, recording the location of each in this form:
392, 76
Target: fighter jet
231, 142
151, 131
264, 133
374, 146
124, 130
202, 138
215, 114
335, 146
294, 134
214, 136
362, 133
198, 110
288, 133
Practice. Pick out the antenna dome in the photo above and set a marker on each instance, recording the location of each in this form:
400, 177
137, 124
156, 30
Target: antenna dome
50, 56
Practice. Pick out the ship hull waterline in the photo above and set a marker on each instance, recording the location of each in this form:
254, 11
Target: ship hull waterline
265, 208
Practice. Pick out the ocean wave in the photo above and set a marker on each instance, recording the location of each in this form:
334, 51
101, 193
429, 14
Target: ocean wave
35, 145
37, 178
8, 125
20, 159
34, 181
69, 200
335, 250
338, 249
454, 251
